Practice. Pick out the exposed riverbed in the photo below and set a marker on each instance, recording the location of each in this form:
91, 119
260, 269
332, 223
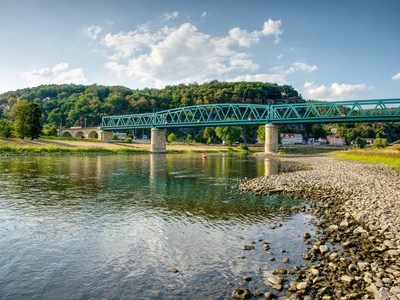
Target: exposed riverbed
359, 206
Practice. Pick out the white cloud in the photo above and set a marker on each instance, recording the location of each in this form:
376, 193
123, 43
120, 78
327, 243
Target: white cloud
114, 66
242, 37
272, 27
59, 68
203, 14
93, 31
127, 43
169, 16
276, 74
305, 67
57, 75
280, 56
335, 92
396, 77
173, 55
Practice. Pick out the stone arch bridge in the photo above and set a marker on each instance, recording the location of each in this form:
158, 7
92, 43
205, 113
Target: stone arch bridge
86, 132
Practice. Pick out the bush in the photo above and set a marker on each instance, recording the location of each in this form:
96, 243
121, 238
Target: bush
129, 136
199, 138
189, 138
243, 147
361, 143
172, 138
380, 143
128, 139
115, 137
6, 128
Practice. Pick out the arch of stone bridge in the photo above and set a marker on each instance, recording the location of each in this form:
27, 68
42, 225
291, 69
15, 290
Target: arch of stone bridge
66, 134
93, 134
79, 134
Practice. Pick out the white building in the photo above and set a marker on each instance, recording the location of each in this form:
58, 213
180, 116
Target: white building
291, 139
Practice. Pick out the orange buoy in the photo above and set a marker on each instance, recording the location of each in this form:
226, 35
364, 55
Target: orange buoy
204, 155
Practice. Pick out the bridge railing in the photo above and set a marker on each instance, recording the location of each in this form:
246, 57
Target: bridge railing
242, 114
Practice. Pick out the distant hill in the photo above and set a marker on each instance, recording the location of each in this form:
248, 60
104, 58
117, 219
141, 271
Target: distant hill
75, 103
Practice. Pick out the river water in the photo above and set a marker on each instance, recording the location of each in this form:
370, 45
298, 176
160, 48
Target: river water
110, 227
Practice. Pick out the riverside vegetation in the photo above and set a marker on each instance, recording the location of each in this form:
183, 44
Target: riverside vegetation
355, 252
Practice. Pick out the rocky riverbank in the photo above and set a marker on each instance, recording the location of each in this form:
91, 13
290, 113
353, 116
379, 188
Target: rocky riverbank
355, 253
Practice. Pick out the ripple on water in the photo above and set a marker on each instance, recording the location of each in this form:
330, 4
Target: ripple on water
111, 227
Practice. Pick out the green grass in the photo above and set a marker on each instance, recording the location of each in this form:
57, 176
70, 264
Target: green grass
305, 151
14, 149
388, 156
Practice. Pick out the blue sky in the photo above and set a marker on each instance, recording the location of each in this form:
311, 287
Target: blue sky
327, 50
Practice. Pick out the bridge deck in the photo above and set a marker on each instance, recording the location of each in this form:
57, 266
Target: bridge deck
249, 114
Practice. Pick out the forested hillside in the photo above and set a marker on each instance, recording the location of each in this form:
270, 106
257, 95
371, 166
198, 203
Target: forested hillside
73, 103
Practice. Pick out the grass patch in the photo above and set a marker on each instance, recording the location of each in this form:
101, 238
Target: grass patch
14, 149
306, 151
388, 156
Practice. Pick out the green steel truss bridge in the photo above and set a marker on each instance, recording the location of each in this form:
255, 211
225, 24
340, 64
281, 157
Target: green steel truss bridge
380, 110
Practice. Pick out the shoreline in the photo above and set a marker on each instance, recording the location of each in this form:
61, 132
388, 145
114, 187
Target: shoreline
359, 208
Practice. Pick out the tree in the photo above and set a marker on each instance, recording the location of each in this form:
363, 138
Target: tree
50, 130
172, 138
6, 128
209, 134
261, 133
199, 138
380, 143
27, 119
229, 134
360, 142
189, 138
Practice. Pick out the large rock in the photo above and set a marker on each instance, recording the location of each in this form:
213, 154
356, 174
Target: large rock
323, 249
393, 252
241, 293
383, 294
302, 286
347, 279
275, 280
360, 230
247, 247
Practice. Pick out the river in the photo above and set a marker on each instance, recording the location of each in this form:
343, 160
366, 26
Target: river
111, 226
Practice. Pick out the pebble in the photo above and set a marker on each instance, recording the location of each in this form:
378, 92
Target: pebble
246, 247
359, 209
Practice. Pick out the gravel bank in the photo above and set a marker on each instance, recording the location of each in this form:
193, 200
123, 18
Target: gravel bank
359, 205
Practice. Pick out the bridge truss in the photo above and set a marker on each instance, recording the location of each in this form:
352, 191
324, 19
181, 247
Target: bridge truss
382, 110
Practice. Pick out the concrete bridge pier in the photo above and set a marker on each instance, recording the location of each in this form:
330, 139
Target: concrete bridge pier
158, 140
271, 139
105, 136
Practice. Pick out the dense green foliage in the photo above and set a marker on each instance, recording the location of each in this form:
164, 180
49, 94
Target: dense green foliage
380, 143
189, 138
229, 134
72, 104
6, 128
27, 118
172, 138
209, 135
361, 143
77, 105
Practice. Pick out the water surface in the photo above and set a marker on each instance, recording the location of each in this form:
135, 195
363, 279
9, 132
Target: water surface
86, 227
